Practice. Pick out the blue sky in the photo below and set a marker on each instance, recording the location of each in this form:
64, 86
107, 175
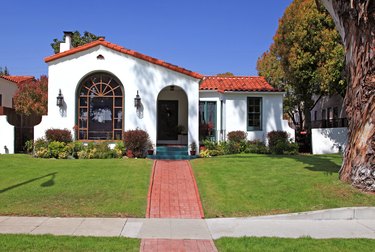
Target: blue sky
205, 36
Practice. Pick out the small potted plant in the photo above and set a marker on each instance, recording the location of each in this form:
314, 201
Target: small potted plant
193, 148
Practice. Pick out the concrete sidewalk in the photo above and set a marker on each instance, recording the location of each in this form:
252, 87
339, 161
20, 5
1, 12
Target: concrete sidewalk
333, 223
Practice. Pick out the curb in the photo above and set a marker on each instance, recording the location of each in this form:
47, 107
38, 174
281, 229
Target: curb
347, 213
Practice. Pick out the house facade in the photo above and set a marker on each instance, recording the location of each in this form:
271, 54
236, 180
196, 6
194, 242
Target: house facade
10, 134
329, 124
99, 90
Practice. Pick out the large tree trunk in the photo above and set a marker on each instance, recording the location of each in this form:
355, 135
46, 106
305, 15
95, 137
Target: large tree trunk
355, 20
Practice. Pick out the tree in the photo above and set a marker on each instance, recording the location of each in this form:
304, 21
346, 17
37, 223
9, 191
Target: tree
32, 97
269, 66
306, 58
77, 40
227, 74
355, 21
4, 72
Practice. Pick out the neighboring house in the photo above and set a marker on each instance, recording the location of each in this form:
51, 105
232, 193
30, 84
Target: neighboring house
328, 112
8, 88
103, 89
329, 124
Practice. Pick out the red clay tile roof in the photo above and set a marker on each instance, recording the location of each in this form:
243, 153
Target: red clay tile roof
236, 83
118, 48
16, 79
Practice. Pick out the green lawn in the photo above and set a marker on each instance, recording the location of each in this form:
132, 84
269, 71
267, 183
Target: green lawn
288, 245
49, 187
37, 243
250, 184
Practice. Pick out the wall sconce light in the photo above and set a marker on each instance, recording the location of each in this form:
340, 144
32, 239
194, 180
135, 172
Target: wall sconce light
137, 101
60, 99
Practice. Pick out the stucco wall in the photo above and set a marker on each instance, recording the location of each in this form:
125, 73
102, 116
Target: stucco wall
7, 89
329, 140
272, 111
134, 74
6, 136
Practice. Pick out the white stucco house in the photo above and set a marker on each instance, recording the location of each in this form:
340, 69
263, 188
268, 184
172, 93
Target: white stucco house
105, 89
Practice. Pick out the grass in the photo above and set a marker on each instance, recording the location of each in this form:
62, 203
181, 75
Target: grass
250, 185
48, 187
289, 244
36, 243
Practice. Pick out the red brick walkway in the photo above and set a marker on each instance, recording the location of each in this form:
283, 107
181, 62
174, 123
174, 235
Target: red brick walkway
173, 193
165, 245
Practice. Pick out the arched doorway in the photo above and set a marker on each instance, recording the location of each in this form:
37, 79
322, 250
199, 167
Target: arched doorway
100, 112
172, 116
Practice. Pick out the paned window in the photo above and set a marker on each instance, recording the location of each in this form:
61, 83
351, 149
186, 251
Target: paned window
254, 113
100, 108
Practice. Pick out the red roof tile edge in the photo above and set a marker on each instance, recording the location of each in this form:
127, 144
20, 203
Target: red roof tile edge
121, 49
236, 84
16, 79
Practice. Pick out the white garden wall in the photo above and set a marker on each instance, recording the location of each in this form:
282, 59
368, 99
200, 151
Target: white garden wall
6, 136
329, 140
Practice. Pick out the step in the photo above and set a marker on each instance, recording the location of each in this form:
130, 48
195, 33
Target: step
171, 157
171, 148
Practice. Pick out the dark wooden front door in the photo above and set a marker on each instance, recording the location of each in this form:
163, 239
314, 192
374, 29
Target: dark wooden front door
167, 120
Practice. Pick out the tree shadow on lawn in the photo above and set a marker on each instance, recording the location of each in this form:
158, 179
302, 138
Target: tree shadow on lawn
48, 183
318, 163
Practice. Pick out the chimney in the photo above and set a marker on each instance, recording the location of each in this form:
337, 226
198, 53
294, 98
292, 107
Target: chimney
67, 45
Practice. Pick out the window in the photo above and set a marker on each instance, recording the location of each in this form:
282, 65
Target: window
100, 102
254, 113
324, 114
1, 100
207, 120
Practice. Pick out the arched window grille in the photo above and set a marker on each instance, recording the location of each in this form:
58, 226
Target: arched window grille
100, 108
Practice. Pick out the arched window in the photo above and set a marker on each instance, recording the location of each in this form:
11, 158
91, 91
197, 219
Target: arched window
100, 108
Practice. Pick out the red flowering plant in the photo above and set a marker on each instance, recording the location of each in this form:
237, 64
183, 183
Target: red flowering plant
32, 96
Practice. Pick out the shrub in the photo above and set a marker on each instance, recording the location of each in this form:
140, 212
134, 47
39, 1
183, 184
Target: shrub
278, 143
211, 145
276, 136
42, 152
136, 141
256, 146
40, 143
120, 149
217, 152
59, 135
73, 148
29, 146
233, 147
102, 151
204, 153
56, 148
292, 149
237, 136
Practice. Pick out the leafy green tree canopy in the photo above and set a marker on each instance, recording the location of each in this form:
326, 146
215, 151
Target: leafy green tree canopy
77, 40
227, 74
307, 56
